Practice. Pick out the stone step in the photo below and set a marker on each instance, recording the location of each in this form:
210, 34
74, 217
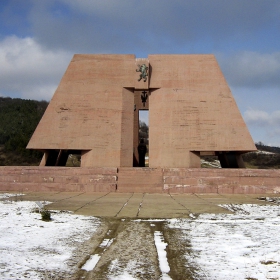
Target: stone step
46, 187
140, 188
140, 180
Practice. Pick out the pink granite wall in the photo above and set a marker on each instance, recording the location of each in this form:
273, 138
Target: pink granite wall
25, 179
231, 181
190, 110
92, 111
139, 180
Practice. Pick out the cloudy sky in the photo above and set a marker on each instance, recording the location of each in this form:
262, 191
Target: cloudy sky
39, 38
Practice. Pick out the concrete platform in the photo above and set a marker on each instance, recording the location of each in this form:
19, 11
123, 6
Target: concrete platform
140, 205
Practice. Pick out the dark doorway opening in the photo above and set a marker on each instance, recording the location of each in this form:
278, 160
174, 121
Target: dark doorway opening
143, 135
70, 158
141, 126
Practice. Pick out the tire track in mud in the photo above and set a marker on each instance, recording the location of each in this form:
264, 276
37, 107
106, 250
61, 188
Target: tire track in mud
126, 247
94, 247
132, 252
177, 247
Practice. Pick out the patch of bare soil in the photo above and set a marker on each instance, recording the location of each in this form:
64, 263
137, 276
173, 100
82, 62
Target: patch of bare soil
127, 246
132, 250
176, 250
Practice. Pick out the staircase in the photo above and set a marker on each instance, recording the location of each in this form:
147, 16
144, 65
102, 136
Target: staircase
140, 180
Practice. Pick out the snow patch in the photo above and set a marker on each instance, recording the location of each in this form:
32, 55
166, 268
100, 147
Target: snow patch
264, 152
243, 245
8, 195
91, 262
163, 262
28, 244
106, 242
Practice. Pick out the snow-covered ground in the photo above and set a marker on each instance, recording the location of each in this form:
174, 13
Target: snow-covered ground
242, 245
214, 163
29, 246
245, 245
264, 152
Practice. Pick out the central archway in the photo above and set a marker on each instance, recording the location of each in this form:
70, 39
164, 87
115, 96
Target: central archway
141, 116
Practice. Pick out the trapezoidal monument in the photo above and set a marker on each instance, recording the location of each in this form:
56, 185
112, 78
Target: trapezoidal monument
94, 112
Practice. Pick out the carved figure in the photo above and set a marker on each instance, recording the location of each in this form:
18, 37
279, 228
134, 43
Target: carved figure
143, 69
144, 97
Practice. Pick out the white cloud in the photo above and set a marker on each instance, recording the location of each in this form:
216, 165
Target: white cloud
262, 118
252, 69
28, 70
265, 126
256, 117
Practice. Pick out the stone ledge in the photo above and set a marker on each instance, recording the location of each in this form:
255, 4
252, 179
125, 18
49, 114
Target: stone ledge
139, 180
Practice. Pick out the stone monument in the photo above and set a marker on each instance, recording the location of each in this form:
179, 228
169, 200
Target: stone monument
94, 113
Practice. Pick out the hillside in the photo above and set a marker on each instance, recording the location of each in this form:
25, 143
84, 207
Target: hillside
265, 158
18, 120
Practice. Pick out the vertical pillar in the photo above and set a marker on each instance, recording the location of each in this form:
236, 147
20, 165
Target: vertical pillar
194, 159
44, 159
135, 132
126, 145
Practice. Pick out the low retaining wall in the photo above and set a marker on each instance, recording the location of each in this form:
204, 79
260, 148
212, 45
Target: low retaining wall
228, 181
140, 180
57, 179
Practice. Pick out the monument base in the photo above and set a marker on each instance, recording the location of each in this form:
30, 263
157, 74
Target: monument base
139, 180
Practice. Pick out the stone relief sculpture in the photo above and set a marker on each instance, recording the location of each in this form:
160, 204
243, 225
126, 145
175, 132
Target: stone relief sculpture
144, 97
143, 69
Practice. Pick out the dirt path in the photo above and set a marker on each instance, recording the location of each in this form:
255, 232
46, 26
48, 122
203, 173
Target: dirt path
125, 247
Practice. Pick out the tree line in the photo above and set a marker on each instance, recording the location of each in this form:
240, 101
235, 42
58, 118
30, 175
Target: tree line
18, 120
